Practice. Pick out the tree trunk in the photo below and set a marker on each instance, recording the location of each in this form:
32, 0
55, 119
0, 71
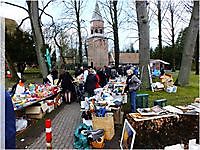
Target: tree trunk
61, 61
80, 51
37, 35
11, 67
197, 55
144, 52
189, 46
115, 32
160, 30
173, 38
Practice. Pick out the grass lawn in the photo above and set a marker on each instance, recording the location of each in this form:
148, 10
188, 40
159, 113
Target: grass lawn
30, 78
183, 96
32, 75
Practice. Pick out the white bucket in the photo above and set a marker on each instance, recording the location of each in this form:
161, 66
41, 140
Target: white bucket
83, 104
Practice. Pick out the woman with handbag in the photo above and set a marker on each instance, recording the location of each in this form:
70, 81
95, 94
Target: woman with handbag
132, 85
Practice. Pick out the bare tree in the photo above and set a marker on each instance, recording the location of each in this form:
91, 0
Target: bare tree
197, 55
160, 29
11, 67
171, 9
171, 15
189, 46
77, 6
144, 50
174, 10
113, 13
74, 8
111, 7
37, 35
35, 19
60, 43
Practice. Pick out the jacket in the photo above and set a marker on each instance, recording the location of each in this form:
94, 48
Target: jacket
133, 83
90, 83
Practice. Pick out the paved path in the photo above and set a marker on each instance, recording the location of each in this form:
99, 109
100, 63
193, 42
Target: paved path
63, 127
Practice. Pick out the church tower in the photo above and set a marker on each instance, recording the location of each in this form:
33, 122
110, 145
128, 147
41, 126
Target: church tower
97, 42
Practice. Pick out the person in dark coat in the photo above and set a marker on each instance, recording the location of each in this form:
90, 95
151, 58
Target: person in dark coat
107, 71
10, 123
91, 82
162, 71
67, 85
79, 71
102, 77
54, 74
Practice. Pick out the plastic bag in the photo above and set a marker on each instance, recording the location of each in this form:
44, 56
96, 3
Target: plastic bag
21, 124
81, 140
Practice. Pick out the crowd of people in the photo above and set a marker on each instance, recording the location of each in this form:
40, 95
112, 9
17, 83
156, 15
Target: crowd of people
93, 78
89, 79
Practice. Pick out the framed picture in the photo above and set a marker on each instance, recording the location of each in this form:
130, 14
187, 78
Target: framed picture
128, 136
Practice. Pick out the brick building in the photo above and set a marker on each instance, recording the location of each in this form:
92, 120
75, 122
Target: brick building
129, 58
125, 58
97, 42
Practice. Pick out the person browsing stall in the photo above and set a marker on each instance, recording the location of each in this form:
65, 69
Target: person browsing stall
132, 85
91, 82
67, 85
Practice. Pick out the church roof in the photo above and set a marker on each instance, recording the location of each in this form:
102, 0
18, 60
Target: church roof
97, 14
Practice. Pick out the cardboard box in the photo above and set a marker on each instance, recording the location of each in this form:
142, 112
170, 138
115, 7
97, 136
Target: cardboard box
106, 123
36, 112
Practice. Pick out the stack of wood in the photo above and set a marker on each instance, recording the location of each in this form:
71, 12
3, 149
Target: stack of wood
158, 133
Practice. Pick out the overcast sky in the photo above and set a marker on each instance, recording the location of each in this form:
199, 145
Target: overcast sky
125, 36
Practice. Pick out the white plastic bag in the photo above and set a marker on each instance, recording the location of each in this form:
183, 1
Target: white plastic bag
21, 124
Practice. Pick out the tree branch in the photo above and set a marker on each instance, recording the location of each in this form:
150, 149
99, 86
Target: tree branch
47, 15
165, 12
15, 5
45, 8
22, 22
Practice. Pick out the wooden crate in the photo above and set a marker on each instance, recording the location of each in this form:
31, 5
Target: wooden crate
36, 112
106, 123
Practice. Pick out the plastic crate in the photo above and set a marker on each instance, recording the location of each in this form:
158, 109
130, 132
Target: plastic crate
160, 102
142, 101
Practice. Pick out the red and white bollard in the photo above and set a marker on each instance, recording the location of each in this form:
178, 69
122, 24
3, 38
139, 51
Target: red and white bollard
48, 133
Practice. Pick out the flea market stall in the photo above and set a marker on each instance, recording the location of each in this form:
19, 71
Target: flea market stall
101, 112
38, 100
